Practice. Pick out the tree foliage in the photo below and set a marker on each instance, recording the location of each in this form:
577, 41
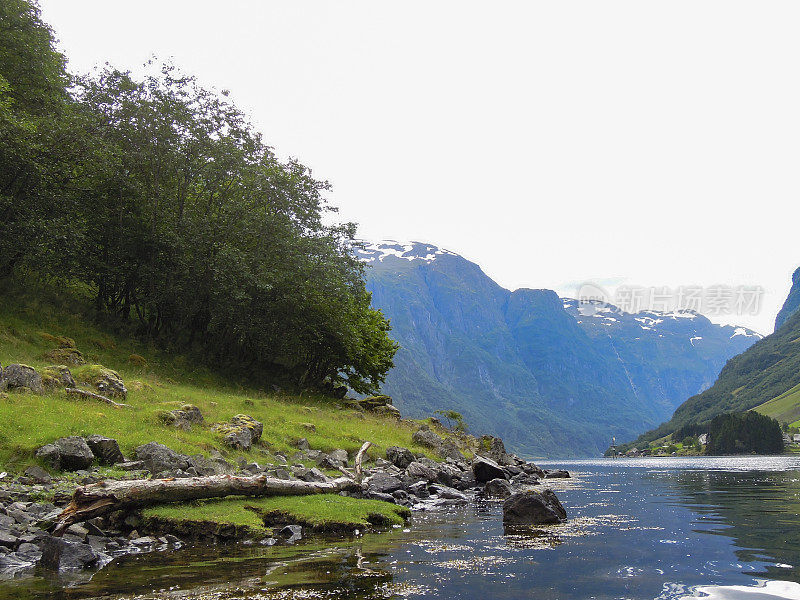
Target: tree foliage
744, 433
160, 197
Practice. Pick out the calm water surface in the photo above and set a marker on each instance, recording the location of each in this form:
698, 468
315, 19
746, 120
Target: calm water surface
720, 528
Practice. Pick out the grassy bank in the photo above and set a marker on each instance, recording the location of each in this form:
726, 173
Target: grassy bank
158, 381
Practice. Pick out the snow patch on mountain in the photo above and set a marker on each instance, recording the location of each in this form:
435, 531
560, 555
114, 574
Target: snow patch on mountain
372, 252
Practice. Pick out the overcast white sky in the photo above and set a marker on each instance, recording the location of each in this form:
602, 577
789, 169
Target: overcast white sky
655, 143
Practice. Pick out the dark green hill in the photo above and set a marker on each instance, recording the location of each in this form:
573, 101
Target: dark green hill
792, 302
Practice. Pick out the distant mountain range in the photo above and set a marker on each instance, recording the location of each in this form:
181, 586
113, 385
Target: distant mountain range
766, 378
551, 376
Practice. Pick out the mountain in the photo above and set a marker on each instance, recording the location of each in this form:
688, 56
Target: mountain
792, 301
766, 377
550, 376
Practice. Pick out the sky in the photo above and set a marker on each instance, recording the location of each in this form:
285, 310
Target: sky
626, 143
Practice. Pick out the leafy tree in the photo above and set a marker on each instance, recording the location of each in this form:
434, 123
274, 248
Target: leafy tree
455, 420
744, 433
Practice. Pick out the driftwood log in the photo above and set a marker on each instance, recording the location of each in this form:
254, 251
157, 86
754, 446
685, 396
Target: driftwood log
98, 499
93, 396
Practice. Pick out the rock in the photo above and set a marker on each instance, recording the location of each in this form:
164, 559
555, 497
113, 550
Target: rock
210, 466
448, 449
446, 492
497, 488
427, 438
309, 427
38, 475
65, 356
8, 540
57, 376
340, 455
533, 508
62, 555
399, 457
105, 381
325, 461
302, 444
373, 495
157, 458
556, 474
388, 411
313, 475
486, 469
375, 402
241, 432
132, 465
384, 483
105, 449
67, 454
184, 418
417, 471
291, 533
21, 377
29, 552
494, 448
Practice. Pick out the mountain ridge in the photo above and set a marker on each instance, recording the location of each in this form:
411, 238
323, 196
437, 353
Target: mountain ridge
519, 363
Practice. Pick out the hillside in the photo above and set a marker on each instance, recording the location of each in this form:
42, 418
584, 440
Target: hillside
157, 381
764, 376
526, 364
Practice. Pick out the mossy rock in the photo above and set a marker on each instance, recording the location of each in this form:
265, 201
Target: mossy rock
103, 379
137, 361
57, 376
59, 341
65, 356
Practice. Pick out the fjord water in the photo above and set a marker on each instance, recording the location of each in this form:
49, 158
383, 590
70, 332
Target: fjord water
724, 528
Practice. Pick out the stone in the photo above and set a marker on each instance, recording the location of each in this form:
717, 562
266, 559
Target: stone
29, 552
384, 483
241, 432
291, 533
8, 540
67, 454
65, 356
448, 449
313, 475
104, 380
486, 469
105, 449
389, 411
62, 555
556, 474
132, 465
399, 457
20, 377
38, 475
210, 466
417, 471
184, 418
302, 444
533, 508
446, 492
57, 376
427, 438
497, 488
340, 455
157, 458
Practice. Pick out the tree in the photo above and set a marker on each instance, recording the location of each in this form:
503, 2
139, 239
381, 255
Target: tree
744, 433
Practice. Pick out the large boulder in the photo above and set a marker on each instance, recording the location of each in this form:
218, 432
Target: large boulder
67, 454
448, 449
102, 379
241, 432
157, 458
399, 457
427, 439
57, 376
556, 474
20, 377
210, 466
486, 469
533, 508
105, 449
65, 356
63, 555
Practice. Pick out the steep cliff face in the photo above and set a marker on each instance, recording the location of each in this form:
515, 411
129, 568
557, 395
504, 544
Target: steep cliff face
527, 364
792, 303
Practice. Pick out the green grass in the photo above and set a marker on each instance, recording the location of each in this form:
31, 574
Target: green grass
785, 408
167, 381
323, 511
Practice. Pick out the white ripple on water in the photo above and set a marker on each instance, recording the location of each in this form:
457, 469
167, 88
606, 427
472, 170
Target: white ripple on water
762, 590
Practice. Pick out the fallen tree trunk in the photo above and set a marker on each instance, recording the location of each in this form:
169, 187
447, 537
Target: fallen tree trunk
93, 396
102, 498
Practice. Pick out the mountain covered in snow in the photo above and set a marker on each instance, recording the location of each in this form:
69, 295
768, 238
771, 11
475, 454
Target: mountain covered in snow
551, 376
